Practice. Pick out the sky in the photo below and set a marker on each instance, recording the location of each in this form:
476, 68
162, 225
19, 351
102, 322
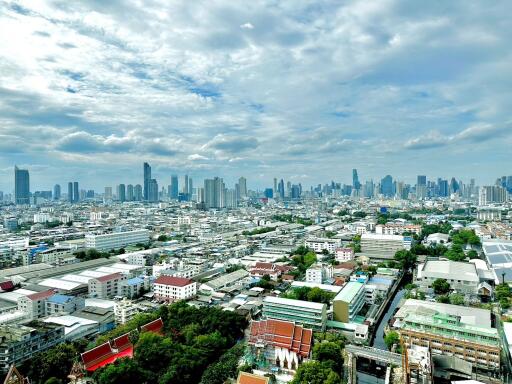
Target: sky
300, 90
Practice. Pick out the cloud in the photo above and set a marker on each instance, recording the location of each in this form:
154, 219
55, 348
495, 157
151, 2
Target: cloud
247, 26
232, 144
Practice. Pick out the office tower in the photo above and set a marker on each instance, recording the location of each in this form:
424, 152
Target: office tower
174, 188
355, 180
70, 192
214, 193
242, 186
1, 196
137, 192
90, 194
200, 195
295, 191
492, 194
21, 186
269, 193
121, 193
147, 180
421, 187
153, 191
56, 192
280, 188
454, 186
369, 188
76, 192
190, 188
185, 185
509, 184
129, 192
231, 198
386, 186
108, 193
275, 187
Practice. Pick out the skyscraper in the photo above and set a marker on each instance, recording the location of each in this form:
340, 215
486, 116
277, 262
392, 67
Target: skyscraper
153, 191
70, 192
147, 180
280, 188
121, 193
21, 186
355, 180
108, 194
129, 192
275, 187
421, 187
185, 185
214, 193
56, 192
174, 187
137, 192
386, 186
242, 185
190, 188
76, 192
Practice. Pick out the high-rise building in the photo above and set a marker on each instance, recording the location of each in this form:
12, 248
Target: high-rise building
231, 198
147, 180
387, 187
56, 192
108, 194
275, 191
21, 186
137, 192
185, 185
174, 188
355, 180
492, 194
421, 187
121, 193
153, 191
280, 188
214, 193
76, 192
242, 186
444, 190
129, 192
70, 192
190, 188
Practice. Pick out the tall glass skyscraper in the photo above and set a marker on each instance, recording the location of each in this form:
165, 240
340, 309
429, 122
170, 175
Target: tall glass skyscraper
147, 180
174, 187
21, 186
56, 192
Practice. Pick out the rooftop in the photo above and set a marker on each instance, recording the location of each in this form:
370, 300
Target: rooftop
349, 291
174, 281
294, 303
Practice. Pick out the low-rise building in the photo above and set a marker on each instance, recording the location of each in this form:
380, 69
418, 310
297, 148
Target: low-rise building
60, 304
383, 247
116, 240
348, 303
344, 254
170, 288
34, 305
308, 314
320, 244
105, 287
318, 273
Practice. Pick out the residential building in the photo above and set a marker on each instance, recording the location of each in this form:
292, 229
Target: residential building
34, 305
116, 240
106, 287
318, 273
320, 244
60, 304
19, 343
344, 254
383, 246
170, 288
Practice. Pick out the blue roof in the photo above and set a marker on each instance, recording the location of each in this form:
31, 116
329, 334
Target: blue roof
59, 299
380, 280
135, 281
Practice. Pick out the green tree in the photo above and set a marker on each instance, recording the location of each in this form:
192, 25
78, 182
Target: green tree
391, 338
315, 372
456, 299
445, 299
441, 286
329, 352
407, 259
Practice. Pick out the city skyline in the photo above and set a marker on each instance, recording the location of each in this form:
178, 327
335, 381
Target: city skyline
288, 90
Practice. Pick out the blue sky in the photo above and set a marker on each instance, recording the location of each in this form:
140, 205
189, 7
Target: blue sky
295, 89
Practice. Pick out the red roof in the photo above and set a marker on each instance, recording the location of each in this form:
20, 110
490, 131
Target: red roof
41, 295
97, 354
174, 281
262, 265
122, 342
112, 276
128, 352
283, 334
155, 326
7, 285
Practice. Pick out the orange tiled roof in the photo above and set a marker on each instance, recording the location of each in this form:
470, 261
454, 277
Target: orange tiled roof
283, 334
249, 378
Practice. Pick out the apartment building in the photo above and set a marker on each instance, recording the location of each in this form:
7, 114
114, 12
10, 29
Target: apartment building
383, 246
116, 240
170, 288
34, 305
320, 244
59, 304
318, 273
106, 287
344, 254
